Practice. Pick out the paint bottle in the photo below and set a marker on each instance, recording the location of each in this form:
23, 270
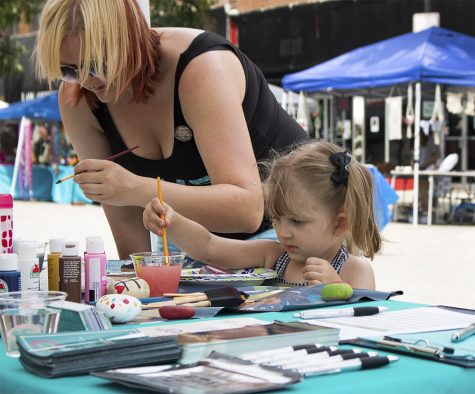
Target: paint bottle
9, 274
28, 265
95, 261
70, 271
6, 222
55, 250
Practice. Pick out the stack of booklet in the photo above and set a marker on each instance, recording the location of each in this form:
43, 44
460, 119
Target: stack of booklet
78, 317
73, 353
236, 341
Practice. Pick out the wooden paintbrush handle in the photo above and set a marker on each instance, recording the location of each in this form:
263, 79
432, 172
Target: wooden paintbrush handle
183, 294
186, 300
198, 304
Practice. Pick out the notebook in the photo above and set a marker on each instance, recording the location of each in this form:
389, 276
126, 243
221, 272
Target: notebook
80, 352
217, 374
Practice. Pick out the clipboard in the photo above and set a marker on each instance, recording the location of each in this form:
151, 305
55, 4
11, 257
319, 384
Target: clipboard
426, 347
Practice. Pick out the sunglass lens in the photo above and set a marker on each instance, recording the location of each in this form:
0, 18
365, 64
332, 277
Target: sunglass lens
69, 74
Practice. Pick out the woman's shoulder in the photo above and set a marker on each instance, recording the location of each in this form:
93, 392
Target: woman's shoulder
176, 39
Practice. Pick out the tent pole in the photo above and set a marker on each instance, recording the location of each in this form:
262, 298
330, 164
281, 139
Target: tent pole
21, 136
417, 113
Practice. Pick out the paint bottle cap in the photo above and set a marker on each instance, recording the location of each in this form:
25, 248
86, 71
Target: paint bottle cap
6, 201
26, 250
15, 243
71, 248
56, 245
94, 245
8, 262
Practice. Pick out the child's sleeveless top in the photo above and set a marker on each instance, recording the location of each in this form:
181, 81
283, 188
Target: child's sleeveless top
284, 260
269, 125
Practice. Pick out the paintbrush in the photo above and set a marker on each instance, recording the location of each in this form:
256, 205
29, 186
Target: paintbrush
110, 158
221, 296
164, 232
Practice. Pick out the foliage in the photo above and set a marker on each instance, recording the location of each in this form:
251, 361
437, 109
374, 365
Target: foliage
11, 13
184, 13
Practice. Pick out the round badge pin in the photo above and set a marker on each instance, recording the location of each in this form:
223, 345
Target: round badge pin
183, 133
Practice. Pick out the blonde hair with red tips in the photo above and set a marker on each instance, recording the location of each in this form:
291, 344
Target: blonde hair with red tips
308, 168
115, 41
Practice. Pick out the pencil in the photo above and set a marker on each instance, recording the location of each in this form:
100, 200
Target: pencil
164, 232
111, 158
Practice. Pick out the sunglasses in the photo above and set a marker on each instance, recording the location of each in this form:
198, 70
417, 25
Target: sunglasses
71, 74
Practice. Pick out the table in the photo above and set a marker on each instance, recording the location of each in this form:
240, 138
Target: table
431, 174
408, 375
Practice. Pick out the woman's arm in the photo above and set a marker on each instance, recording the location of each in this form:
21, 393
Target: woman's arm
357, 272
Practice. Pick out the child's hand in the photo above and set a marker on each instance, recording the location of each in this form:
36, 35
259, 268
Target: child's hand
318, 271
153, 213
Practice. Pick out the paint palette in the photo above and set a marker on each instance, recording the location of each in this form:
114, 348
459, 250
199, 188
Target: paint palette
241, 277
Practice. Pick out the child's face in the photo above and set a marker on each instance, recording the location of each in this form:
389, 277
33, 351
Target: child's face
308, 235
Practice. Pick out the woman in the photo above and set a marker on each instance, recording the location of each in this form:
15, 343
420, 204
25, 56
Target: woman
199, 109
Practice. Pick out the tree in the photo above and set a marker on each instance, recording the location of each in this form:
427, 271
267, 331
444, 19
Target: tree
184, 13
11, 13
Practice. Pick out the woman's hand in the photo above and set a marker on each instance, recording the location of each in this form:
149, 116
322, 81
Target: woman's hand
153, 213
318, 271
107, 182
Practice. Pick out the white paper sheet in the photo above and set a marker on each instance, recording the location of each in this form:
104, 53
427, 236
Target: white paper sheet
414, 320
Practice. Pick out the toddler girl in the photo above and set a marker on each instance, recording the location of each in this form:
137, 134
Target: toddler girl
321, 203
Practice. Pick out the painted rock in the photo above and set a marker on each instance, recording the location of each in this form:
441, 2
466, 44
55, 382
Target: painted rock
119, 308
338, 291
136, 287
175, 312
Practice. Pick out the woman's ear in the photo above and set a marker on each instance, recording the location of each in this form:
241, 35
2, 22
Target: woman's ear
341, 224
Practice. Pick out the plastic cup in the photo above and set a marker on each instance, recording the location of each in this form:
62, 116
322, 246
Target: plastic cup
162, 273
27, 312
40, 252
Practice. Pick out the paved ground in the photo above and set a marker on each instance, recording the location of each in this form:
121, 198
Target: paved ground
434, 265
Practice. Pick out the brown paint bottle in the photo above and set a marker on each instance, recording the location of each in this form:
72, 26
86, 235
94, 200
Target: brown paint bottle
70, 271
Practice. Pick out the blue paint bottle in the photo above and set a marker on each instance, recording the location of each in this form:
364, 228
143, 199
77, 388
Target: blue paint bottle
9, 274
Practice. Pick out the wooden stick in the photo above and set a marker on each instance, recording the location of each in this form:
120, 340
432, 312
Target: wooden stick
164, 232
198, 304
182, 294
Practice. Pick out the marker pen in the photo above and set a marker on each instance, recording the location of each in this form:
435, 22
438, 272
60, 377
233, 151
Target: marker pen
351, 365
318, 356
312, 362
346, 312
286, 349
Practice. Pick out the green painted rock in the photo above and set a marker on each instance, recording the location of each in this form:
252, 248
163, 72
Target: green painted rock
337, 291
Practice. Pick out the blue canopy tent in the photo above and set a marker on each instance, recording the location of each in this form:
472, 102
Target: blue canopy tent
44, 107
434, 55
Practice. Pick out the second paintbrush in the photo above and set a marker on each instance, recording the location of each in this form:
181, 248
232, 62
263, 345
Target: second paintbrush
110, 158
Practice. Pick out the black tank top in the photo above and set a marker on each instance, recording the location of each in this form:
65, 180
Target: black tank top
269, 125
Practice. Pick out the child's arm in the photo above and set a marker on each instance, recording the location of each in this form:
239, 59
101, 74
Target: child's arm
201, 245
357, 272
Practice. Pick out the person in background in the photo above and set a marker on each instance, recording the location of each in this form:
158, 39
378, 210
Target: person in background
429, 155
321, 203
41, 147
199, 109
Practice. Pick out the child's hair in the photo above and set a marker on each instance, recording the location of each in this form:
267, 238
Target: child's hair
346, 185
115, 41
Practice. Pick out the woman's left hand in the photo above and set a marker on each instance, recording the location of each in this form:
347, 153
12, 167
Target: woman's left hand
106, 182
318, 271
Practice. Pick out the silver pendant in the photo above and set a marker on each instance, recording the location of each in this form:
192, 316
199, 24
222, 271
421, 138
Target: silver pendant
183, 133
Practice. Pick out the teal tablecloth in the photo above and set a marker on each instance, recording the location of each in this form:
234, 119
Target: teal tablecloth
406, 376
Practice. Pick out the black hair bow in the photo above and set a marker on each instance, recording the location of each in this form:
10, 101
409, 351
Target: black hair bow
341, 160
